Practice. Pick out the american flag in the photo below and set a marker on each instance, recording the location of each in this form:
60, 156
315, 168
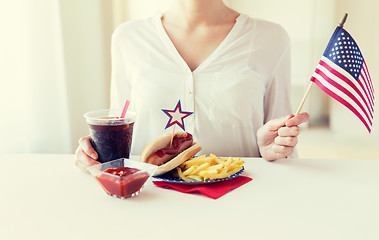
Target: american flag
342, 74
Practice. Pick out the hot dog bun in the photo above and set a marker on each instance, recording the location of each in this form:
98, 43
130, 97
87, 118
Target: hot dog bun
162, 142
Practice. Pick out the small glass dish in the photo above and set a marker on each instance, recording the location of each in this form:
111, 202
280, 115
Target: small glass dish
122, 178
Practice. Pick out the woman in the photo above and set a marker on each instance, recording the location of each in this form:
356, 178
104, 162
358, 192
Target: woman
232, 71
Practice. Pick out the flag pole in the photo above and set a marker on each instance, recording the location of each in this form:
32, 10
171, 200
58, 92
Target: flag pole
304, 98
311, 84
173, 134
343, 20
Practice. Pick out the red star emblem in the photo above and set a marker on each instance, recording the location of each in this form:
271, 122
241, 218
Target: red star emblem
176, 116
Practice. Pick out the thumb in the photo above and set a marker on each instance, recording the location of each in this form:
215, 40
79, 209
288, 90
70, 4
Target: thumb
275, 124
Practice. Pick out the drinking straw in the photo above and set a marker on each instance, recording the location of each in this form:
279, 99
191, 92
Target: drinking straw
127, 102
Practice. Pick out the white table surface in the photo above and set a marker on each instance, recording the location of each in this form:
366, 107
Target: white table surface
47, 197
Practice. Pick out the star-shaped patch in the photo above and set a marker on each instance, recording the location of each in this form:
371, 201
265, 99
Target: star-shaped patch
176, 116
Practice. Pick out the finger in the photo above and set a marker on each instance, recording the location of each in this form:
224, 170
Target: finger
81, 166
286, 141
275, 124
289, 131
82, 157
283, 151
297, 120
86, 145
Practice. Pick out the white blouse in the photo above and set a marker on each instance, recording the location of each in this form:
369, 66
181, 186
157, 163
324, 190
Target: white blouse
244, 83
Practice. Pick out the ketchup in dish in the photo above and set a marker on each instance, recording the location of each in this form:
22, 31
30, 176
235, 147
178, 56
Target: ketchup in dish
123, 181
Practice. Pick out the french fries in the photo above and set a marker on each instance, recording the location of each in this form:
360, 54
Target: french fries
203, 168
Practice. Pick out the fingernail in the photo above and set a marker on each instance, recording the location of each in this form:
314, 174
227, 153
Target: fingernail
94, 156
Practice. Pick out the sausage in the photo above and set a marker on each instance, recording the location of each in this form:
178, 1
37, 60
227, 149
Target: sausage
179, 144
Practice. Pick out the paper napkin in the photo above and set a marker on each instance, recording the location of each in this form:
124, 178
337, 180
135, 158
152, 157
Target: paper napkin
212, 190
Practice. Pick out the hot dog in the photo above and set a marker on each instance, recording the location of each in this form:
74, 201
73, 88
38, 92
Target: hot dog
166, 157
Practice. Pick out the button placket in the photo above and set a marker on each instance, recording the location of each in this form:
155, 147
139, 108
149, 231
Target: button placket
190, 102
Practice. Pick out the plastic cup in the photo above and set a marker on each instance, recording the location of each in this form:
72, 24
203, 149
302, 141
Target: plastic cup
111, 135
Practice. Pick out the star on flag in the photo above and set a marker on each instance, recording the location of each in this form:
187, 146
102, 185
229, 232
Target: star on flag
176, 116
